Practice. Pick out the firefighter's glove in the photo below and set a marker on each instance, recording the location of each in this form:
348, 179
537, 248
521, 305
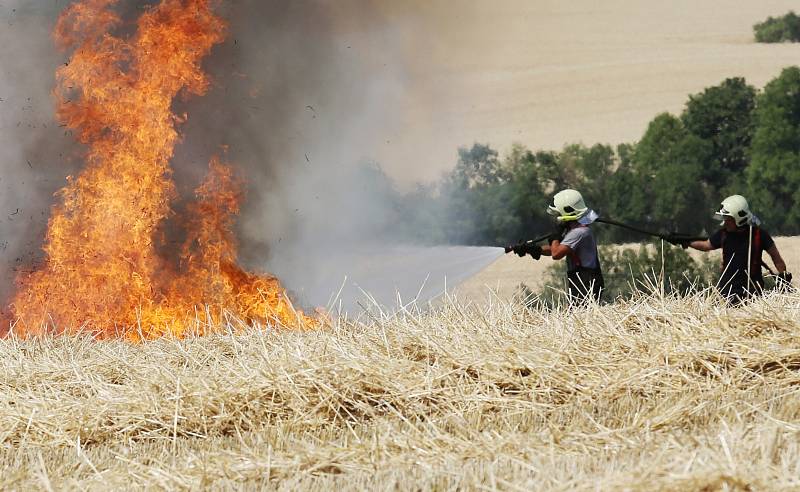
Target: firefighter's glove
784, 280
528, 249
677, 240
535, 251
519, 250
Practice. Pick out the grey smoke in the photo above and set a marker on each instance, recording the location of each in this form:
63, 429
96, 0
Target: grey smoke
305, 93
36, 154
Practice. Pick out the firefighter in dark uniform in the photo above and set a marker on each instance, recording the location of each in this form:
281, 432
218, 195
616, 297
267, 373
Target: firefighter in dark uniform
743, 242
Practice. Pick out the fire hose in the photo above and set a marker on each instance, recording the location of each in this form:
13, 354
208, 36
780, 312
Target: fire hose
682, 237
509, 249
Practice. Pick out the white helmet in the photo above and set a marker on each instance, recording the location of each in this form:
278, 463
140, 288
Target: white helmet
568, 205
736, 207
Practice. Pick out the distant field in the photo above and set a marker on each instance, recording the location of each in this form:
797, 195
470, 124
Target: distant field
660, 394
545, 73
504, 276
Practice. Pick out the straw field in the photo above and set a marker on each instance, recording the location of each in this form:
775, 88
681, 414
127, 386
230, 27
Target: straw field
651, 394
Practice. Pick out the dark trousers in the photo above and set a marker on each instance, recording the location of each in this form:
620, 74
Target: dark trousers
584, 284
737, 292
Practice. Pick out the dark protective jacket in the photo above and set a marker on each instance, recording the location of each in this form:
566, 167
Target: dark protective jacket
733, 281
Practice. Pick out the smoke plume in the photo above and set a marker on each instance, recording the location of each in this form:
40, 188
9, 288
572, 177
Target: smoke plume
305, 94
36, 154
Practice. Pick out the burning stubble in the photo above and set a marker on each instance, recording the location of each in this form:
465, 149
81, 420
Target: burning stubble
301, 93
102, 269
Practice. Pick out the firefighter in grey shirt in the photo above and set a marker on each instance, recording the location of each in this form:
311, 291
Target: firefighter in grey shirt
575, 241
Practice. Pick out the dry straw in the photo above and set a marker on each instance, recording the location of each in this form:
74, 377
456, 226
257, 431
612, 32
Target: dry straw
652, 394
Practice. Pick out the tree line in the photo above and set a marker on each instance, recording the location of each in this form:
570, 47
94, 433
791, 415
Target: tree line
778, 29
729, 138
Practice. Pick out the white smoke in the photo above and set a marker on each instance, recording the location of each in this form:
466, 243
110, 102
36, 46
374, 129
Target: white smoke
305, 93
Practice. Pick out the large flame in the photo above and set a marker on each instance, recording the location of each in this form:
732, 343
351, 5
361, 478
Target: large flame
106, 266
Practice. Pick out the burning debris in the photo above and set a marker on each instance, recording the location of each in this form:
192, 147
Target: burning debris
106, 268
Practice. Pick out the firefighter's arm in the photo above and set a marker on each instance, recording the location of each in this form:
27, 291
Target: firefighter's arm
558, 250
704, 245
780, 265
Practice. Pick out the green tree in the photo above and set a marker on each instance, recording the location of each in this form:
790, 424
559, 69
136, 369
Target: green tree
420, 216
526, 195
591, 169
474, 194
477, 166
723, 115
774, 173
778, 29
668, 165
626, 198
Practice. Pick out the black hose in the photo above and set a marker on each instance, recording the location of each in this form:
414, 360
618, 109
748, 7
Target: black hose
509, 249
629, 227
685, 237
662, 236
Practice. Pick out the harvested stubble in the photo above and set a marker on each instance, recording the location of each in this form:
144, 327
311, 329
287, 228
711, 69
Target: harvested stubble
651, 394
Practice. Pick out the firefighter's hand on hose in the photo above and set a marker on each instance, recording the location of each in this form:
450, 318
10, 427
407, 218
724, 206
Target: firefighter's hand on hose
677, 240
535, 251
528, 249
783, 280
517, 249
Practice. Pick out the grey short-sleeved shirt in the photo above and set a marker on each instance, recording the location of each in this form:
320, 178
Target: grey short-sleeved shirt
581, 241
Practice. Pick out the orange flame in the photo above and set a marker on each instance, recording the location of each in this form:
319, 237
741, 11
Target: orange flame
105, 269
